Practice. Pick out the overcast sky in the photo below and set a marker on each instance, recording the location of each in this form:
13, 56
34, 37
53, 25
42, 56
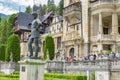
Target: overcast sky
12, 6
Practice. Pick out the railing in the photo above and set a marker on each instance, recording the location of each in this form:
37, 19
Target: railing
118, 37
72, 35
72, 7
97, 65
100, 2
107, 37
95, 38
104, 37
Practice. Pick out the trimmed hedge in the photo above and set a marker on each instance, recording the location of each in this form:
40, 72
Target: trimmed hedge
2, 52
50, 46
50, 76
92, 76
47, 76
15, 76
13, 46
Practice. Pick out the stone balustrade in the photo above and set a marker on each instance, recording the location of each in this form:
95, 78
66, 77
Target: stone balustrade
101, 2
72, 35
95, 65
104, 37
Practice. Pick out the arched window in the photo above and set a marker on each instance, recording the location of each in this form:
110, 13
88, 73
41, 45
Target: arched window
71, 53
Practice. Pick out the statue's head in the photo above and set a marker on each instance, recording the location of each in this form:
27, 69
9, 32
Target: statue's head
34, 15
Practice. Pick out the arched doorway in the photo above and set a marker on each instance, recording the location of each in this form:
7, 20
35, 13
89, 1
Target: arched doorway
71, 53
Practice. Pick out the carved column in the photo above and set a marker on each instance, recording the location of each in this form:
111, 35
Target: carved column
92, 26
114, 29
114, 25
100, 32
76, 49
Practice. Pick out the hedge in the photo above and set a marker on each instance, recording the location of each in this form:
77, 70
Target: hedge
2, 52
15, 76
13, 46
50, 76
50, 46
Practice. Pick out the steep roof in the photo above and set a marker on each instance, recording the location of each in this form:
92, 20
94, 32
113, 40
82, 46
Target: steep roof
46, 16
25, 19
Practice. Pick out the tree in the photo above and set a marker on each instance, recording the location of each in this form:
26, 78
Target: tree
3, 31
60, 7
44, 7
13, 46
11, 24
28, 9
2, 52
49, 47
52, 7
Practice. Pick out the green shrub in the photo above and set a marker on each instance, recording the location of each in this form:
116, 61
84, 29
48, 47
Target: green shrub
49, 76
13, 46
15, 76
2, 52
92, 76
50, 46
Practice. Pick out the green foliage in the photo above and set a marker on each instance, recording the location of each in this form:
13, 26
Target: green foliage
3, 31
45, 50
0, 19
15, 76
50, 46
2, 52
52, 7
13, 46
44, 7
52, 76
11, 24
60, 7
92, 76
47, 76
28, 9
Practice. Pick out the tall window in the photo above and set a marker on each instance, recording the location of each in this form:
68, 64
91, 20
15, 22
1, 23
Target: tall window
77, 27
58, 42
105, 30
106, 47
119, 30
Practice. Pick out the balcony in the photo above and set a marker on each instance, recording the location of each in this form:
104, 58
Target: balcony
104, 5
107, 37
72, 35
118, 38
103, 37
72, 11
102, 2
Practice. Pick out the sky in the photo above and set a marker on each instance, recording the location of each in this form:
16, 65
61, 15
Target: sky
13, 6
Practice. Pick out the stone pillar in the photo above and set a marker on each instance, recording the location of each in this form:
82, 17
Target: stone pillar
76, 49
31, 69
92, 26
100, 24
114, 29
100, 31
102, 75
24, 49
114, 25
55, 39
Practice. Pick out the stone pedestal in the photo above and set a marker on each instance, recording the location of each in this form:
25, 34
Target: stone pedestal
31, 69
102, 75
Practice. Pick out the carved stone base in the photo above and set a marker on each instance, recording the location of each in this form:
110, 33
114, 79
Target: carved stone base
31, 69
